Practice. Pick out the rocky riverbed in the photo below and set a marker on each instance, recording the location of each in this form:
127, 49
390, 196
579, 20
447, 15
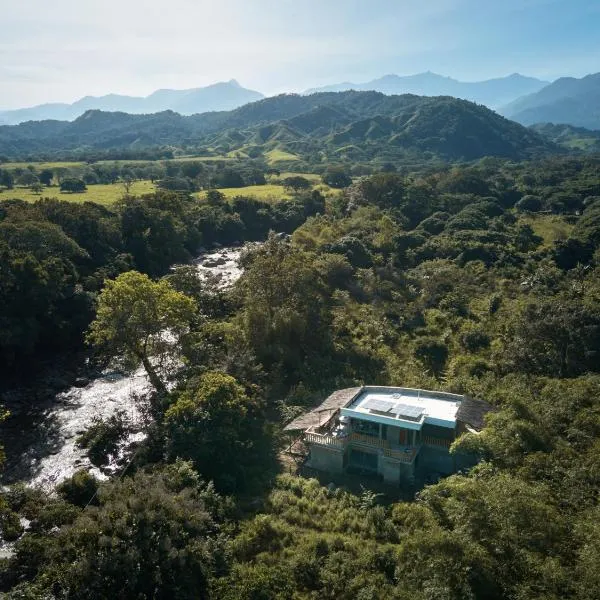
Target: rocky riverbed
40, 440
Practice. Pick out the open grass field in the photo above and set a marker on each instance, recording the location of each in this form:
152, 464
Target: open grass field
260, 192
549, 227
66, 165
276, 155
273, 156
313, 177
101, 194
110, 193
41, 165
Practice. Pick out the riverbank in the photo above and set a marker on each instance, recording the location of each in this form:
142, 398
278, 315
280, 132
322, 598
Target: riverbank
47, 417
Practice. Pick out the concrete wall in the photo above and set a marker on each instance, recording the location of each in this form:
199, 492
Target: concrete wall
324, 458
394, 472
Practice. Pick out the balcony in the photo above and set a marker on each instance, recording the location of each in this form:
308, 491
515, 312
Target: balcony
404, 454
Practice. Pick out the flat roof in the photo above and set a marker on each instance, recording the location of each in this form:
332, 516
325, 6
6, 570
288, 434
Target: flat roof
404, 407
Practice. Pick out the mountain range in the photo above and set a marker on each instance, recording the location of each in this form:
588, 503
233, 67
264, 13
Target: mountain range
357, 126
568, 100
526, 100
219, 96
493, 93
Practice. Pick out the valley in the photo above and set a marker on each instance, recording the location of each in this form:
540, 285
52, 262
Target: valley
182, 295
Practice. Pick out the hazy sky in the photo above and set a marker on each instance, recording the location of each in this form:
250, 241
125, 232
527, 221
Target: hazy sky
64, 49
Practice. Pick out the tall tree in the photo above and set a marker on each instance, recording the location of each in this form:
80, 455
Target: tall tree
141, 321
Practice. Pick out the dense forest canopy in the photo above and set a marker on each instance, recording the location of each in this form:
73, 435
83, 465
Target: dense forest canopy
479, 279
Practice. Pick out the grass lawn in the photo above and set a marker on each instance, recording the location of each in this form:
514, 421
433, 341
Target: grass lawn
549, 227
101, 194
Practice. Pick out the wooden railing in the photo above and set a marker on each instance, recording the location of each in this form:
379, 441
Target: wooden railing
373, 442
324, 440
368, 440
434, 441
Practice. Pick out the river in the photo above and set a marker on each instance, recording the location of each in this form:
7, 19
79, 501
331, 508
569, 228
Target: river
44, 437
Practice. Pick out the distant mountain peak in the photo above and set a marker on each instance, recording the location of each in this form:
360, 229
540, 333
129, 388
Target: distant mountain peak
568, 100
492, 92
224, 95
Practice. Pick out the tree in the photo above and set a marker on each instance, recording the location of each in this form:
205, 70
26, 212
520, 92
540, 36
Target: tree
529, 203
154, 535
433, 353
141, 321
27, 179
297, 183
127, 184
73, 186
336, 178
554, 336
231, 179
46, 176
217, 426
7, 179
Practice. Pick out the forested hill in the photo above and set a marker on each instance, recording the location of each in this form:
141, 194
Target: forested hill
567, 100
346, 125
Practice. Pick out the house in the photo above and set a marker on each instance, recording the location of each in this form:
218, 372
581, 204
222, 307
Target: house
403, 435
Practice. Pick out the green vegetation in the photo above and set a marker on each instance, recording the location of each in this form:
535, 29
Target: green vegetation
57, 255
573, 138
277, 155
265, 192
295, 131
482, 280
105, 194
551, 228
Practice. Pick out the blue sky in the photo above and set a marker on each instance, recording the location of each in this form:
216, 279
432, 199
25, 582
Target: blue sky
59, 51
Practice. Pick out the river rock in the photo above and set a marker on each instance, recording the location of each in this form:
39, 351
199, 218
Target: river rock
215, 262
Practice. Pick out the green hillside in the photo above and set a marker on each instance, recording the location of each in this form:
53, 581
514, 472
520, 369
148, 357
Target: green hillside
377, 127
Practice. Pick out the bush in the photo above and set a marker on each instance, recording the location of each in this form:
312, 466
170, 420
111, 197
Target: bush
73, 186
433, 353
473, 339
79, 489
336, 178
102, 438
529, 203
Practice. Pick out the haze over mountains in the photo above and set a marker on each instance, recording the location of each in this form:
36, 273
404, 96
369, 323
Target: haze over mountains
567, 100
219, 96
492, 92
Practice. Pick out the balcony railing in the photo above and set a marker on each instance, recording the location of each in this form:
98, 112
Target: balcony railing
368, 440
324, 440
360, 439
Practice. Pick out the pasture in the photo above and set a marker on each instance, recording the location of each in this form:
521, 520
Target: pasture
105, 194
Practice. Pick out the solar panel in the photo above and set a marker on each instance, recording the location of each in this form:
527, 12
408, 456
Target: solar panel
391, 409
412, 413
378, 405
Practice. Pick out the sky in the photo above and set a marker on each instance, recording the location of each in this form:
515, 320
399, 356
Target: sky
63, 50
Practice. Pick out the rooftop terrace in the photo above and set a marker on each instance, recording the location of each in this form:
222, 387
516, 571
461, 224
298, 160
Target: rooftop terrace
404, 407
